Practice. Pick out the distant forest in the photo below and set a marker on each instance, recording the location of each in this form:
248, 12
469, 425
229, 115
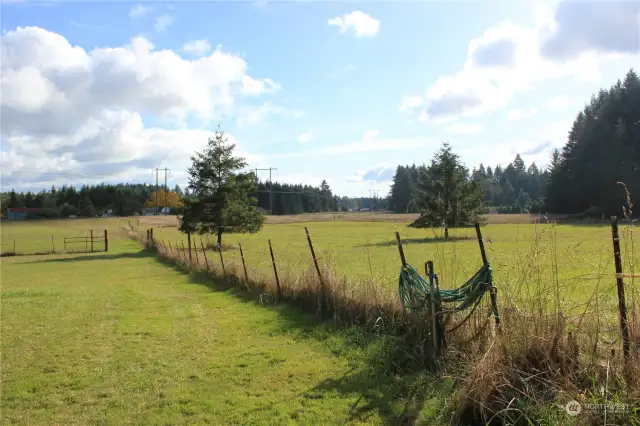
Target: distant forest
512, 189
129, 199
602, 149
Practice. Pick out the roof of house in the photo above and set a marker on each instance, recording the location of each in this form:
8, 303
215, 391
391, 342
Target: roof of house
24, 209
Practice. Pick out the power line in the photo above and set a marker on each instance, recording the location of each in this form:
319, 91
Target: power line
165, 188
270, 187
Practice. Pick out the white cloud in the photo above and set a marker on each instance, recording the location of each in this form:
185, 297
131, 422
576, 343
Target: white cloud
370, 142
72, 113
256, 115
139, 11
363, 25
411, 102
559, 102
381, 173
197, 47
521, 114
509, 59
163, 22
464, 128
304, 137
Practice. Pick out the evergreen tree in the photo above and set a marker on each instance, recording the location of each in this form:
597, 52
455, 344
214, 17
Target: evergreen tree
447, 195
602, 148
221, 194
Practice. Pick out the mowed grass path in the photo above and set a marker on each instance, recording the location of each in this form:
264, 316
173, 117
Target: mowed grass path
120, 338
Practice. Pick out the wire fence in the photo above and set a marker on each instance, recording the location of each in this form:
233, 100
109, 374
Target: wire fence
89, 242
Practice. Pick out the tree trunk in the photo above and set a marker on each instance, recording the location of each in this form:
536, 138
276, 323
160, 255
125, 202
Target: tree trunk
219, 239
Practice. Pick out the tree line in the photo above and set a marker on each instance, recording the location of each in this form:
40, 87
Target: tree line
584, 178
602, 150
515, 188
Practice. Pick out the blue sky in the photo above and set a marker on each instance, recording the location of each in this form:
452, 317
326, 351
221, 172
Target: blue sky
96, 91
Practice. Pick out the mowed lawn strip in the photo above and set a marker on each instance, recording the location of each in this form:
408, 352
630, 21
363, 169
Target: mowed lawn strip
119, 338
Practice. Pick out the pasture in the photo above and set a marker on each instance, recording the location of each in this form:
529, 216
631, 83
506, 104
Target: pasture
566, 264
124, 337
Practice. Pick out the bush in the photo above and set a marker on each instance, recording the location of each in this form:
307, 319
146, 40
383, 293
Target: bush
67, 210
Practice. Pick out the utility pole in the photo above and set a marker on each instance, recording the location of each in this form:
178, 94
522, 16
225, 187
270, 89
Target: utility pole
373, 194
270, 186
166, 190
156, 170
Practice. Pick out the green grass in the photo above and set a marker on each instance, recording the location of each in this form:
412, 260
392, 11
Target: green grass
47, 236
121, 338
572, 260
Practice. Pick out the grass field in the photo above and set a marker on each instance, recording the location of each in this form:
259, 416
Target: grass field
123, 337
575, 261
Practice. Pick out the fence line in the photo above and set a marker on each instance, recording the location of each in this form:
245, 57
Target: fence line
41, 246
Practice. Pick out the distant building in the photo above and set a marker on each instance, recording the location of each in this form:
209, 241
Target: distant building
150, 211
21, 213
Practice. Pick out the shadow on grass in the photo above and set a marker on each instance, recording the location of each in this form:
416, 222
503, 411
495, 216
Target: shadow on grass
88, 257
386, 379
429, 240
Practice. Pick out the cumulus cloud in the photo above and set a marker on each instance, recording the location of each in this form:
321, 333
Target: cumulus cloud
360, 23
70, 111
197, 47
602, 27
508, 59
381, 173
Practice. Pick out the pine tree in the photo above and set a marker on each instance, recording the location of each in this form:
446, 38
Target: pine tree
221, 199
447, 195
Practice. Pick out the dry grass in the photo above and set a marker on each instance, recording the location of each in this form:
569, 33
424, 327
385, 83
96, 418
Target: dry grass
172, 221
541, 357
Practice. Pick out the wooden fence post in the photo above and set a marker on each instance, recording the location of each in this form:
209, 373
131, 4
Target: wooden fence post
53, 244
106, 241
315, 262
493, 293
246, 276
189, 244
204, 254
275, 270
184, 252
92, 241
401, 250
195, 251
152, 242
221, 260
428, 267
622, 306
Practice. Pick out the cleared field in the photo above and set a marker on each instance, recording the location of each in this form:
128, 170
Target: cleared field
531, 261
120, 338
46, 236
169, 220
